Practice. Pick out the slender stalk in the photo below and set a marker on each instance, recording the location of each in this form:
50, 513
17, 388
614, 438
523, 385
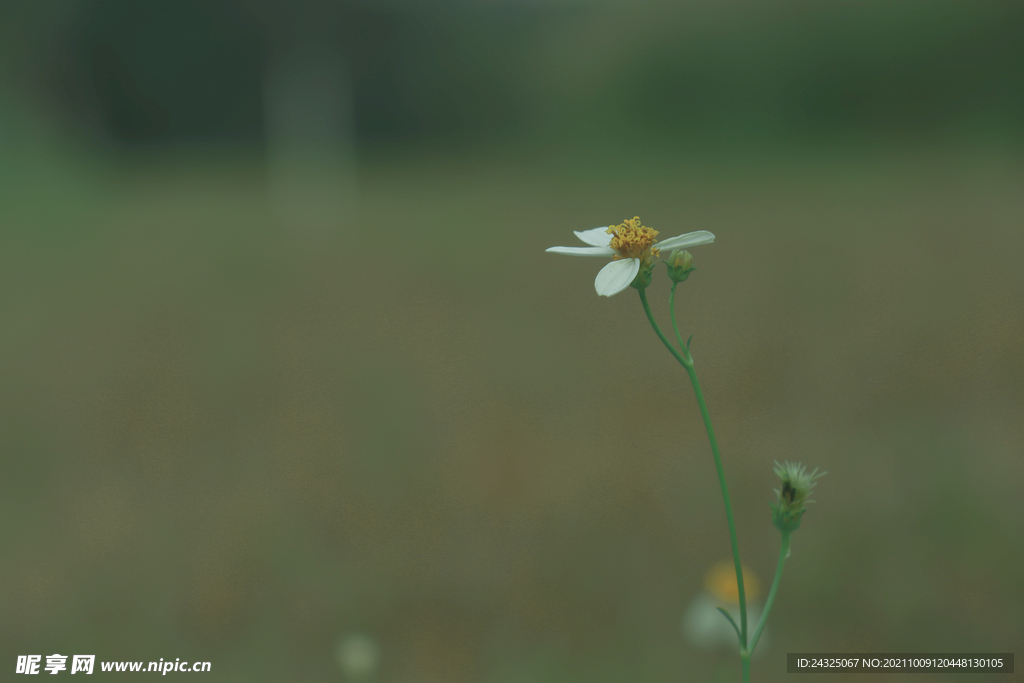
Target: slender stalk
672, 312
686, 360
783, 554
728, 505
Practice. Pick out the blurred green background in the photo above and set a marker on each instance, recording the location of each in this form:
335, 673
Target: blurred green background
285, 366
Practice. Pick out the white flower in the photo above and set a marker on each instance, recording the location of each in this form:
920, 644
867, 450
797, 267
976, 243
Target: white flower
631, 246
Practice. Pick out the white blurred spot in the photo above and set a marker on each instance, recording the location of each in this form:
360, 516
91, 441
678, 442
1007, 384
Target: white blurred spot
358, 657
705, 627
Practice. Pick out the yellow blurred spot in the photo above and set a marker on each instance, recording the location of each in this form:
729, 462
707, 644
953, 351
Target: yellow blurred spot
721, 582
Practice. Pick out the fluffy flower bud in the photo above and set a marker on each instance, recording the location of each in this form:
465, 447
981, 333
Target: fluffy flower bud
792, 498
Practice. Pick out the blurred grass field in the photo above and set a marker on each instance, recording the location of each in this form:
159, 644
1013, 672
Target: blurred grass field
287, 373
234, 437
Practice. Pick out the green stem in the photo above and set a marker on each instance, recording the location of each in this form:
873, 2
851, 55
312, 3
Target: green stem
728, 505
783, 554
686, 360
672, 312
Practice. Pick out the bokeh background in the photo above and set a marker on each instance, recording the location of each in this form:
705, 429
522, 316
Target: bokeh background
289, 384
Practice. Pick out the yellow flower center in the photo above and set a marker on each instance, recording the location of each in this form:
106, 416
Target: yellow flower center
721, 582
632, 240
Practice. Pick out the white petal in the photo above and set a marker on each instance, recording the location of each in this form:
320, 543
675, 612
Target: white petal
690, 239
598, 237
582, 251
616, 276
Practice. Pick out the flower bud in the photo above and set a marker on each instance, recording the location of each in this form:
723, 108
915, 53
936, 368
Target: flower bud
680, 263
793, 496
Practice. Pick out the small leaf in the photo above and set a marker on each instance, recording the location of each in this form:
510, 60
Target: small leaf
731, 621
688, 342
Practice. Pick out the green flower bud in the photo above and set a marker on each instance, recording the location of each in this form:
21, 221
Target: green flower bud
680, 264
793, 496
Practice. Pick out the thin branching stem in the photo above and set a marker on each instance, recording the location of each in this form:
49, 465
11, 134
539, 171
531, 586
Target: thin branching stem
686, 360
